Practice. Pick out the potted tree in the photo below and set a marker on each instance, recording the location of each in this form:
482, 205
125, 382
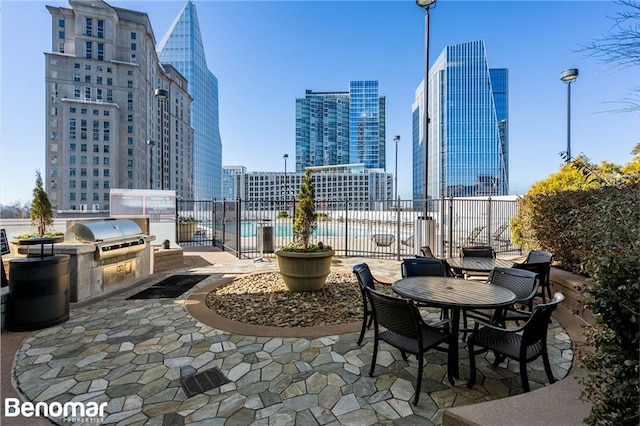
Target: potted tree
305, 266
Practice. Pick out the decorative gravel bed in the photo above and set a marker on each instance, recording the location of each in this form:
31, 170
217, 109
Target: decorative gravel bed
263, 299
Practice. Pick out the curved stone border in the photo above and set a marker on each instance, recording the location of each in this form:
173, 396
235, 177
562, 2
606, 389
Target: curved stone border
197, 307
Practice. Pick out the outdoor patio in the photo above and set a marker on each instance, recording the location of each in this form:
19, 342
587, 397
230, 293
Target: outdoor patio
133, 354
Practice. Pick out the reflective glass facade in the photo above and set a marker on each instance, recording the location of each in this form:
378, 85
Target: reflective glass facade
341, 127
182, 47
468, 131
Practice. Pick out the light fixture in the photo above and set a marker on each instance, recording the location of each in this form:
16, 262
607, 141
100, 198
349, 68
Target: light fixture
569, 76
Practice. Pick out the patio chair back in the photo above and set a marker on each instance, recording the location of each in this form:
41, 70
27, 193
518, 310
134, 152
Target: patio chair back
543, 269
535, 329
423, 267
477, 251
523, 283
539, 256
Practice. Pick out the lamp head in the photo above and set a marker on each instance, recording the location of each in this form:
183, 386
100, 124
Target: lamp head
425, 4
569, 75
285, 156
396, 138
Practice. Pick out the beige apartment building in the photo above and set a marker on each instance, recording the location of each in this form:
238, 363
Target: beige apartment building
115, 116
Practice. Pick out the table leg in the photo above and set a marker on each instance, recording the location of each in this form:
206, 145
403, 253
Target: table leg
452, 360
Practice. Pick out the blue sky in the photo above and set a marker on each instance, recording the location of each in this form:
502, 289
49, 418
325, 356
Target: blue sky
267, 53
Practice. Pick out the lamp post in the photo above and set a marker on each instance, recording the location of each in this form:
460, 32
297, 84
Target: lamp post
396, 139
162, 95
286, 184
569, 76
150, 144
426, 5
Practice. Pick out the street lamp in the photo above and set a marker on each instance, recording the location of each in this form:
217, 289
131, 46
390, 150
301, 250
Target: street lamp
396, 139
162, 95
286, 184
426, 5
150, 144
569, 76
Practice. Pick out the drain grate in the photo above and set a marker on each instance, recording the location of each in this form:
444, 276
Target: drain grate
202, 382
169, 288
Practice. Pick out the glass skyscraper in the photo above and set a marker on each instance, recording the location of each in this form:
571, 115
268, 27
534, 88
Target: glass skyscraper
334, 128
468, 130
182, 47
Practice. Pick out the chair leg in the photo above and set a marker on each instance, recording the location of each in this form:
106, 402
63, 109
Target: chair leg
548, 286
375, 355
523, 376
547, 365
472, 364
364, 326
404, 355
419, 382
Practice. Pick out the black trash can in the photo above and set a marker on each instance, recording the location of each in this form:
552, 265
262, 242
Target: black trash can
267, 239
38, 292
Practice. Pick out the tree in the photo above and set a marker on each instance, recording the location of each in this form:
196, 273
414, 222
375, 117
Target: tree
620, 46
305, 220
41, 211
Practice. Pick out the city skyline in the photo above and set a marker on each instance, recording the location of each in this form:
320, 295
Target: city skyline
267, 53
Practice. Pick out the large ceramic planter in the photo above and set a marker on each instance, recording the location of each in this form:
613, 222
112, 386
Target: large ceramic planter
186, 230
304, 271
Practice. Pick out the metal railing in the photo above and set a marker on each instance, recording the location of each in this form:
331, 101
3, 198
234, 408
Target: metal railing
250, 229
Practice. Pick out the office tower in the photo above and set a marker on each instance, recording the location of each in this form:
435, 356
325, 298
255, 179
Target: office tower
334, 128
103, 121
468, 129
182, 47
233, 181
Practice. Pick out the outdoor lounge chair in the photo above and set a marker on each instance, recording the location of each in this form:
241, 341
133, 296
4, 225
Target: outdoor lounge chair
523, 344
473, 236
404, 329
407, 242
425, 251
383, 240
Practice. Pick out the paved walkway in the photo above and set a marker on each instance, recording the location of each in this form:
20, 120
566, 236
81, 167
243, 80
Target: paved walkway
147, 358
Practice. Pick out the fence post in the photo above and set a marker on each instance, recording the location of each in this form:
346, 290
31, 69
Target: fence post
398, 229
489, 230
346, 228
238, 205
450, 251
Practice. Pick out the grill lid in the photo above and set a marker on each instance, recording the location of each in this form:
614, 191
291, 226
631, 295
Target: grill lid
108, 230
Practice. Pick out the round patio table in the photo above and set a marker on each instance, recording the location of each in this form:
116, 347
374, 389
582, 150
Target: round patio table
454, 294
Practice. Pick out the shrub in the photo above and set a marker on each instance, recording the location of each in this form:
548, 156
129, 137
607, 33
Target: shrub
41, 211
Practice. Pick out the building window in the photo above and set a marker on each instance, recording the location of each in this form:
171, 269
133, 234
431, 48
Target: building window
72, 147
72, 128
105, 173
72, 171
87, 93
109, 95
129, 140
88, 27
105, 161
133, 46
76, 65
72, 159
72, 184
133, 35
96, 148
83, 184
61, 47
98, 95
83, 129
96, 130
72, 197
61, 23
129, 72
100, 56
96, 161
130, 152
129, 129
106, 185
95, 184
105, 148
83, 159
83, 196
87, 78
61, 34
99, 79
87, 67
105, 113
130, 84
95, 196
89, 50
76, 92
83, 172
100, 30
130, 117
109, 81
96, 172
129, 174
129, 163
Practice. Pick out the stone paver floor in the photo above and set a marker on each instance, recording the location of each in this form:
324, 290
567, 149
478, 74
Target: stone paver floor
132, 355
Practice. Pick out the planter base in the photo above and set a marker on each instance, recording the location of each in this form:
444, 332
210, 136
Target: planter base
304, 271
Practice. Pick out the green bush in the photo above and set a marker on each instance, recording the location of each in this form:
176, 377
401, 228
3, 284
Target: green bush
282, 215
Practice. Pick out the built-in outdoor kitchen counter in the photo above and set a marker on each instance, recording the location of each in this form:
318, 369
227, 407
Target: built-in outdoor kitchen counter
106, 254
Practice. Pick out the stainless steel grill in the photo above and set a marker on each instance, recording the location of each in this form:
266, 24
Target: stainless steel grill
112, 237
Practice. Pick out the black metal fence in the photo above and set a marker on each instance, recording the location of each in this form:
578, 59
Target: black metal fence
251, 229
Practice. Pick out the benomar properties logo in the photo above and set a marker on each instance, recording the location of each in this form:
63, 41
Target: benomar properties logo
73, 412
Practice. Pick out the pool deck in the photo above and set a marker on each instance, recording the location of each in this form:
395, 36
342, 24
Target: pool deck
136, 355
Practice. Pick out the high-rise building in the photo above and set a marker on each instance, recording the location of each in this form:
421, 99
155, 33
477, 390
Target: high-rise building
103, 120
468, 126
182, 47
231, 184
334, 128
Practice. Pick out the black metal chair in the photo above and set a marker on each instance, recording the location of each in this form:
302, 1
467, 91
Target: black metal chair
424, 267
523, 344
523, 283
539, 256
365, 280
404, 330
544, 271
477, 251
